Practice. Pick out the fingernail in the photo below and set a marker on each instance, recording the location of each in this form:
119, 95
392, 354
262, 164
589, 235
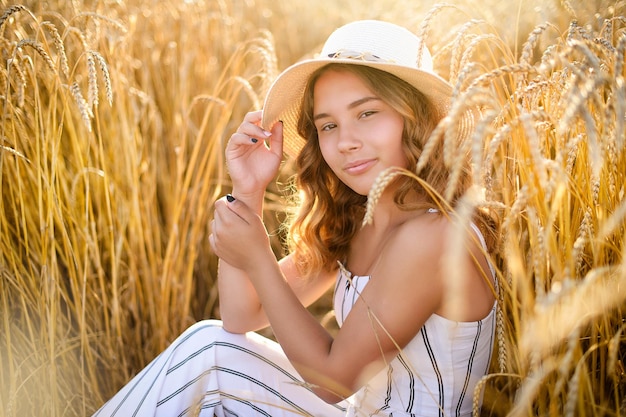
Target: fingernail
266, 133
230, 198
254, 140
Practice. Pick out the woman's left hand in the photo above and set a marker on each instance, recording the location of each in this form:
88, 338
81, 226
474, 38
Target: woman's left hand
238, 235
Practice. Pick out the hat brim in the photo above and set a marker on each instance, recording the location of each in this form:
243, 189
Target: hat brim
284, 97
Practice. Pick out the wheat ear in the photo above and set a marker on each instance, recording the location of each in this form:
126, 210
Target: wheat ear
83, 108
40, 50
383, 179
58, 43
8, 13
104, 69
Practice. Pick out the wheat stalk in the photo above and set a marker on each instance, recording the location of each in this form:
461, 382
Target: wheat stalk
569, 410
459, 48
619, 57
615, 222
80, 35
92, 84
104, 69
40, 50
535, 148
585, 232
382, 181
10, 12
21, 81
500, 332
12, 151
538, 251
422, 32
530, 385
83, 106
60, 47
565, 362
572, 152
487, 78
531, 42
484, 129
470, 48
613, 351
520, 204
99, 17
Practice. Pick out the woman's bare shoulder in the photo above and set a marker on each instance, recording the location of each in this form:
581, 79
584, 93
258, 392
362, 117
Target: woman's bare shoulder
436, 247
424, 233
415, 250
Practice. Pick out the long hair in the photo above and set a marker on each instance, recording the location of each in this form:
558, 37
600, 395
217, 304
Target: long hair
329, 212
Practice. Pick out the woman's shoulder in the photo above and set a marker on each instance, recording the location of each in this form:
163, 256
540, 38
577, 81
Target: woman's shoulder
417, 242
437, 245
426, 227
434, 233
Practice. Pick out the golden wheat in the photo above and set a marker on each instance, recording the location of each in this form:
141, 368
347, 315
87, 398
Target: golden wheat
11, 10
60, 47
382, 181
104, 209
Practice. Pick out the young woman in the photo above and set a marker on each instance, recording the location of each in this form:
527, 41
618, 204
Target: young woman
412, 340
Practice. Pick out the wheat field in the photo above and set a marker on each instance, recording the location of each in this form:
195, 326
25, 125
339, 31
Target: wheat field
114, 119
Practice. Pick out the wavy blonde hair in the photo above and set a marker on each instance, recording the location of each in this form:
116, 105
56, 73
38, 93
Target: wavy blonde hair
329, 212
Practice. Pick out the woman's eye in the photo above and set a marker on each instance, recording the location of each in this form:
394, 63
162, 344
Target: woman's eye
326, 127
367, 113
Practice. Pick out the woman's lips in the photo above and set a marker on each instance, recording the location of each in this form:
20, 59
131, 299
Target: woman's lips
358, 167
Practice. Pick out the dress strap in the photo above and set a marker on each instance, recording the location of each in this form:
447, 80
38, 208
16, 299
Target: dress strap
483, 243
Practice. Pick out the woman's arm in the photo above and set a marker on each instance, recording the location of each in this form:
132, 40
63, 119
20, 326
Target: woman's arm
240, 307
253, 157
251, 166
390, 311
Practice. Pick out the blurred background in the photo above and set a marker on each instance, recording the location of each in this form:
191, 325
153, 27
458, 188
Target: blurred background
115, 115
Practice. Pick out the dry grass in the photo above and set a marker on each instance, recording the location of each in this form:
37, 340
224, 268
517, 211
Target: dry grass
114, 117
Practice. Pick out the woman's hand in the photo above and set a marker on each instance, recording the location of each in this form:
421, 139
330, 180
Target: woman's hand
252, 164
238, 235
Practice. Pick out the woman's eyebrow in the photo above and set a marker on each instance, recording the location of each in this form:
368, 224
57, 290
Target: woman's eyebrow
362, 101
352, 105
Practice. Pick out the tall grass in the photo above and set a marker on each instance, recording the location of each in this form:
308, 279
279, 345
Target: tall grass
558, 140
114, 118
110, 163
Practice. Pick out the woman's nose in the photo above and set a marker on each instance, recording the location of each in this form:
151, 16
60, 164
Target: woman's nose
348, 140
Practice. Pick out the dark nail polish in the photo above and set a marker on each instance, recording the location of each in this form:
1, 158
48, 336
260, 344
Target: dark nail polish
230, 198
254, 140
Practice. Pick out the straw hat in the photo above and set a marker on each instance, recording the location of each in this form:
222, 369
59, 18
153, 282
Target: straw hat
371, 43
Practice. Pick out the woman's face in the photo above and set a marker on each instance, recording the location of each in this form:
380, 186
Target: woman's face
359, 134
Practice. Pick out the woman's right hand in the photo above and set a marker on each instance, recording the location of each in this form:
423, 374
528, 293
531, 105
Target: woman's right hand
252, 164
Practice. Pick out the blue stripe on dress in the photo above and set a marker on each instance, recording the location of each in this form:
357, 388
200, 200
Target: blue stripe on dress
146, 371
205, 348
240, 375
469, 368
409, 407
239, 348
433, 361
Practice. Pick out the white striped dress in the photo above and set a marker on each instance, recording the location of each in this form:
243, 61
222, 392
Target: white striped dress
436, 372
209, 372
